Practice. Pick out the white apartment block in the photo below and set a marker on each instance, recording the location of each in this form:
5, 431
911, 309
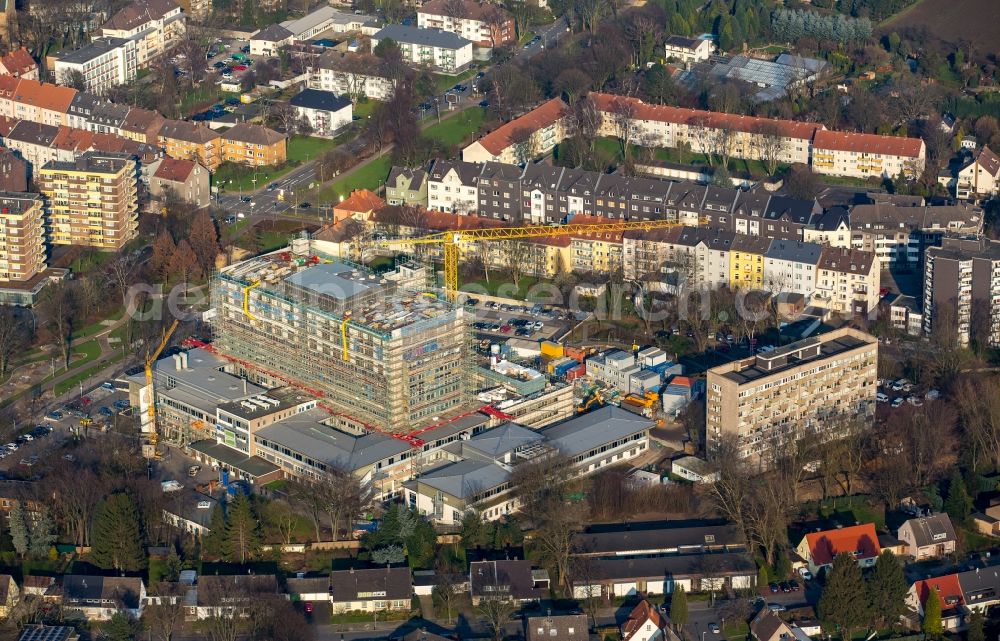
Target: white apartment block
687, 50
104, 63
791, 267
356, 76
770, 400
848, 281
485, 24
438, 50
839, 153
155, 26
965, 276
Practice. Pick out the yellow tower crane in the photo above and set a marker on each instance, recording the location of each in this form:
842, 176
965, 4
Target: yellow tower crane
149, 449
450, 240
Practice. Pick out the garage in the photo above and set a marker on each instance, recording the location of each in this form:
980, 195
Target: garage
673, 584
743, 582
625, 589
654, 587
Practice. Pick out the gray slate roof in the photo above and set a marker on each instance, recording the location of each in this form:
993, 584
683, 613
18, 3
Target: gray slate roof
794, 251
503, 439
465, 478
925, 528
320, 100
421, 36
593, 429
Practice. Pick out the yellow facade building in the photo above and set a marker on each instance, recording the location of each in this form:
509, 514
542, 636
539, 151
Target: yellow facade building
746, 262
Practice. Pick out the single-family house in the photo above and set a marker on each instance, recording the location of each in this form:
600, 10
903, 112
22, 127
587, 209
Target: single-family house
859, 541
224, 594
372, 590
360, 206
949, 594
567, 627
98, 598
928, 537
9, 594
509, 580
644, 623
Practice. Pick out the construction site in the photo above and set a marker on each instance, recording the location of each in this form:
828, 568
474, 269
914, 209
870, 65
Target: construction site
384, 353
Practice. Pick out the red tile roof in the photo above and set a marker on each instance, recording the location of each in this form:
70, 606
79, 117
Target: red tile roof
361, 200
860, 541
44, 95
18, 62
8, 85
637, 619
538, 118
948, 588
695, 117
7, 124
175, 170
138, 13
70, 139
868, 143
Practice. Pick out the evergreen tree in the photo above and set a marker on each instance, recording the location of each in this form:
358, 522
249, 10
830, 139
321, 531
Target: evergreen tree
932, 614
679, 607
844, 602
887, 589
42, 535
212, 542
117, 537
977, 627
958, 505
18, 529
173, 566
120, 628
242, 539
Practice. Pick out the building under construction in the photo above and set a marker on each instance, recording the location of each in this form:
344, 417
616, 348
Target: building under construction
384, 352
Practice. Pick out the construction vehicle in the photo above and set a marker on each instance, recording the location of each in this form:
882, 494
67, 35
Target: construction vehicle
644, 404
149, 446
450, 240
590, 401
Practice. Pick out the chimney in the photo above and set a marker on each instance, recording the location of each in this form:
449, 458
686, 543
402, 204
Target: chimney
184, 360
177, 362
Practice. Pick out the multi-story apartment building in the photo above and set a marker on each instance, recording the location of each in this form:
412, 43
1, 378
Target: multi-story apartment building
253, 145
35, 101
406, 186
521, 140
34, 143
762, 403
899, 236
142, 125
783, 141
597, 252
832, 227
325, 111
687, 50
13, 171
102, 64
791, 267
847, 281
184, 179
20, 64
962, 290
154, 26
486, 25
81, 108
108, 118
766, 139
354, 75
452, 186
38, 144
746, 262
440, 50
22, 236
841, 153
381, 354
92, 201
189, 141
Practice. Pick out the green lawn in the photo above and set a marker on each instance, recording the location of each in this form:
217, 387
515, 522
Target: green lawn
305, 148
445, 83
501, 285
95, 328
610, 147
456, 129
369, 176
364, 108
301, 149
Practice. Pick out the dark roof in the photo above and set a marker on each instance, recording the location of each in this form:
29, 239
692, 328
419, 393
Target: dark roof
468, 172
766, 624
795, 251
213, 588
832, 218
511, 577
139, 12
272, 33
412, 178
253, 134
40, 632
96, 48
851, 261
79, 590
794, 210
931, 530
349, 585
33, 132
659, 537
317, 99
568, 627
681, 41
421, 36
678, 566
980, 585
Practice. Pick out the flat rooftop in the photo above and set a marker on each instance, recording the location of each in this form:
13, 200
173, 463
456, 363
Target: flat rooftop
339, 280
258, 405
791, 356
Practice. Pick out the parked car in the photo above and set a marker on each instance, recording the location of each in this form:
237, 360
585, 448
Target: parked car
240, 68
53, 416
882, 398
932, 395
774, 588
105, 411
305, 206
805, 574
897, 402
713, 628
914, 401
776, 607
122, 405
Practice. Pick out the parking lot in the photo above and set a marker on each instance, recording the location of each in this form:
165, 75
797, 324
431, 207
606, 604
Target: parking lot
506, 320
893, 393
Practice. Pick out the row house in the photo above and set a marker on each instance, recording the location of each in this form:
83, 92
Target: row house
19, 63
35, 101
521, 140
959, 594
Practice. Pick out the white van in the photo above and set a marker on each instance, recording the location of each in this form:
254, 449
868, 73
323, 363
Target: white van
882, 398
